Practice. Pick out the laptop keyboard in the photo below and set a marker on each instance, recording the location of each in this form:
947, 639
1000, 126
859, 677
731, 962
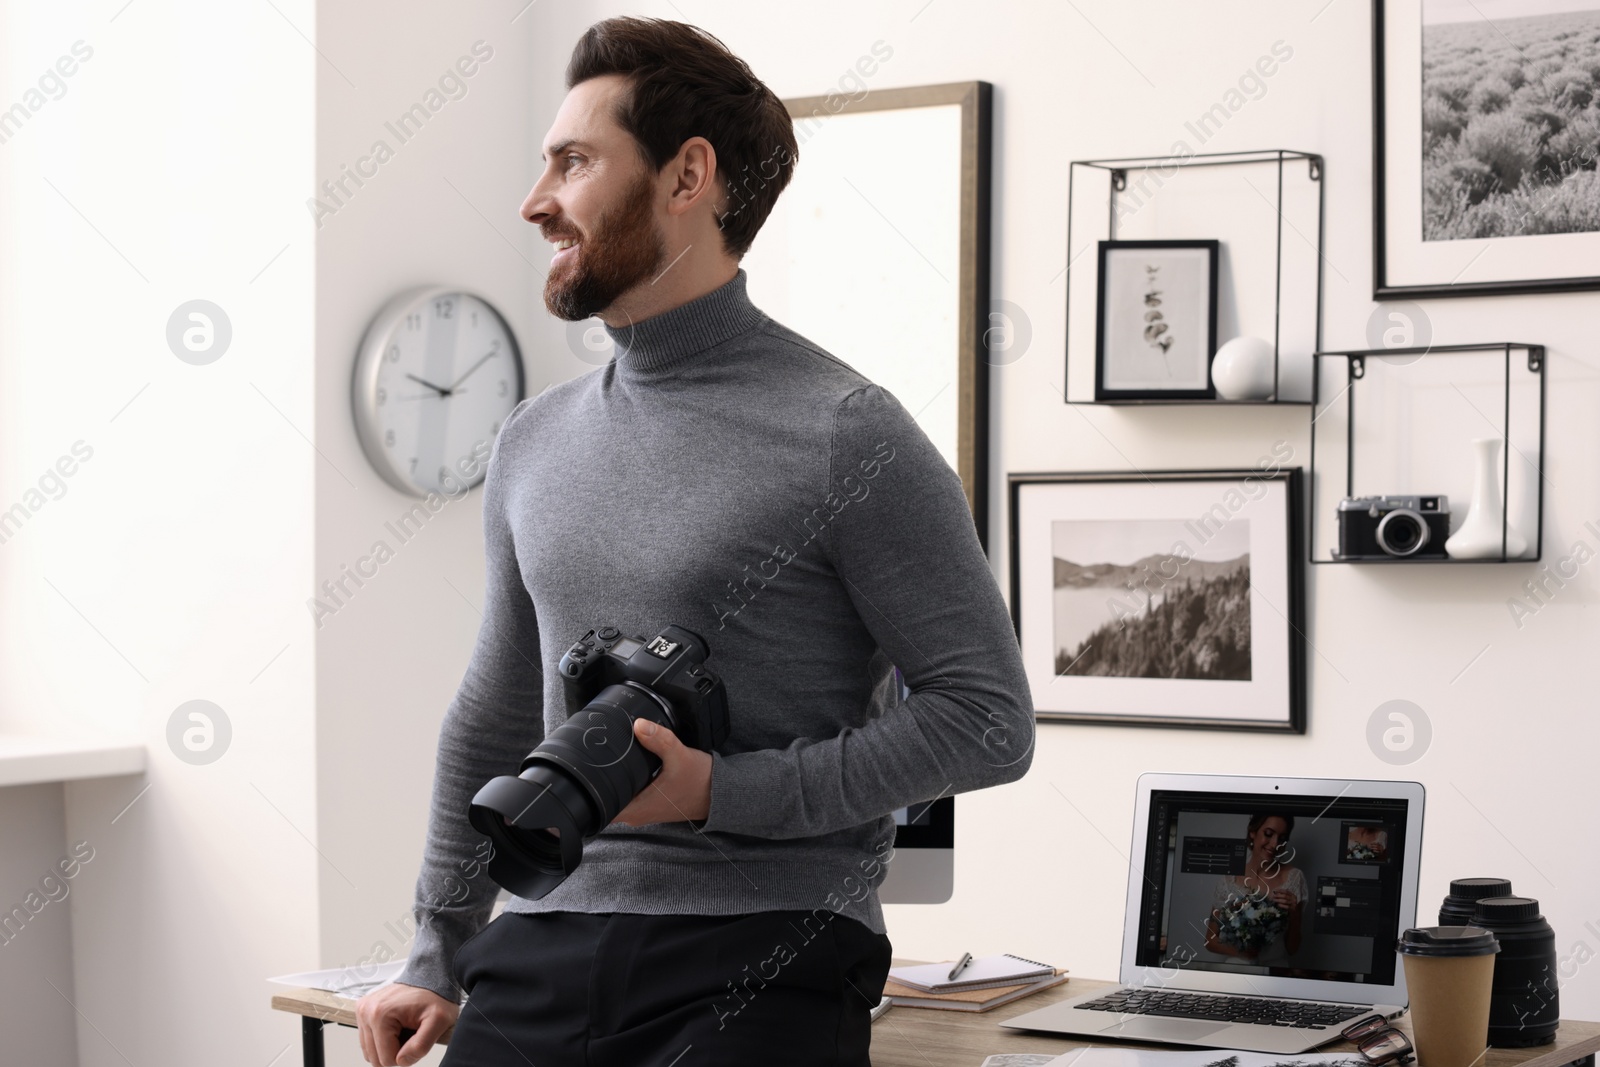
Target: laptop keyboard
1307, 1015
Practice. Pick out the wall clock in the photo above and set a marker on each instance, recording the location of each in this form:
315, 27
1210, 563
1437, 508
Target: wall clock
438, 372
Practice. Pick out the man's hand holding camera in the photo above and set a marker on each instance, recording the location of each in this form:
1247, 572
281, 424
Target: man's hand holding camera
644, 716
681, 792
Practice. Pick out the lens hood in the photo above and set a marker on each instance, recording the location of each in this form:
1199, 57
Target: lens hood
516, 814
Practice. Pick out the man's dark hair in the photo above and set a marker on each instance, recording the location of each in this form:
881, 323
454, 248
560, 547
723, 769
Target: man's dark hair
684, 83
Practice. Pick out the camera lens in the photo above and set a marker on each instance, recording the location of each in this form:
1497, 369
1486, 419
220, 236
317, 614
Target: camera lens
1401, 537
540, 848
586, 770
1402, 532
574, 783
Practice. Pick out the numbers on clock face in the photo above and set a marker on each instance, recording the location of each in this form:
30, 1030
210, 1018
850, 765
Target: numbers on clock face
448, 376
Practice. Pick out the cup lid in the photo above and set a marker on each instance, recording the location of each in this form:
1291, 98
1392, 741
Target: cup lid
1448, 941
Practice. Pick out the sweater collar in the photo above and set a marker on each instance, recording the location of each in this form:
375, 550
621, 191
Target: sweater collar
675, 337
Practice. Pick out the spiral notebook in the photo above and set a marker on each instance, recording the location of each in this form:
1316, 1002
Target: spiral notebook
984, 972
967, 999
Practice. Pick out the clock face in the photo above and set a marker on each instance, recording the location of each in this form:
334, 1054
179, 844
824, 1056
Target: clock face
438, 373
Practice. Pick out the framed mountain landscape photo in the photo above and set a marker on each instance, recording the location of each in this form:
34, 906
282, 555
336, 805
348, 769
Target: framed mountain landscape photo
1169, 598
1486, 138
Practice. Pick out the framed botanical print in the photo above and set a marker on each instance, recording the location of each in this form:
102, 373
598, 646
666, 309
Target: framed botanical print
1485, 145
1156, 324
1171, 598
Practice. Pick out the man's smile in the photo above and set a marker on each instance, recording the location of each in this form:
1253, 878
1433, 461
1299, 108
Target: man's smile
564, 249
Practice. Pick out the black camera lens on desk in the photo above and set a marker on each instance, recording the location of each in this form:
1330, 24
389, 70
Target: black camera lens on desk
1525, 1007
1461, 904
587, 770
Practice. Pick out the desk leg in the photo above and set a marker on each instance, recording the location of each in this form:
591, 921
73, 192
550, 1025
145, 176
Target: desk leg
311, 1041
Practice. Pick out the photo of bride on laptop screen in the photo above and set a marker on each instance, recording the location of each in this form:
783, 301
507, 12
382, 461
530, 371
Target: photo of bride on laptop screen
1261, 913
1299, 887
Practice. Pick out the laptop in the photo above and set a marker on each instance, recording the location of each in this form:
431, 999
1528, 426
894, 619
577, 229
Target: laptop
1262, 914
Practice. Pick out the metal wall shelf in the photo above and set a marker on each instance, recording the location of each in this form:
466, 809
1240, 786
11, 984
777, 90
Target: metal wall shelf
1401, 421
1266, 207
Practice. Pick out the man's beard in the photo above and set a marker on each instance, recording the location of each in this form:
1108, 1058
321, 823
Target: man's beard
623, 250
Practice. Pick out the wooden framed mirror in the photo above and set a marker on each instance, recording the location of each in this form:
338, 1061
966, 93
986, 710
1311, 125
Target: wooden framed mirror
878, 251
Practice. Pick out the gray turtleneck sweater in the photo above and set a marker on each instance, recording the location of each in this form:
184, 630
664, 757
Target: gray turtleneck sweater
725, 474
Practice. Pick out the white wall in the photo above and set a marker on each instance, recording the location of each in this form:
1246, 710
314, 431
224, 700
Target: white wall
174, 567
183, 553
442, 210
36, 959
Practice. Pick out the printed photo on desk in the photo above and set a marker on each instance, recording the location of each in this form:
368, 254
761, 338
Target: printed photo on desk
1169, 598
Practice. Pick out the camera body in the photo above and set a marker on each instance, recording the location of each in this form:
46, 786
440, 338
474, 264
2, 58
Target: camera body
671, 664
586, 770
1393, 527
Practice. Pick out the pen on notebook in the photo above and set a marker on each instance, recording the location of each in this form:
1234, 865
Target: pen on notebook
966, 958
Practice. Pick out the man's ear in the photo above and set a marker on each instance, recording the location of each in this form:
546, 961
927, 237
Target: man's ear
694, 177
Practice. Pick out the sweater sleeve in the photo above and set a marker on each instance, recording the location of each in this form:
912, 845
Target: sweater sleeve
906, 551
494, 720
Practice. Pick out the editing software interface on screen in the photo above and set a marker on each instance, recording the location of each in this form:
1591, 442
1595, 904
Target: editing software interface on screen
1297, 886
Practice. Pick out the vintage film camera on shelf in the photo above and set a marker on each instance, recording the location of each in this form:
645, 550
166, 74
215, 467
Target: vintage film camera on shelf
1388, 527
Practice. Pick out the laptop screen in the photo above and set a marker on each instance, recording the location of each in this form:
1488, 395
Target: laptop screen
1291, 886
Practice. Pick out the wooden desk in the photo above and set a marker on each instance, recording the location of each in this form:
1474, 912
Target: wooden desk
317, 1009
930, 1037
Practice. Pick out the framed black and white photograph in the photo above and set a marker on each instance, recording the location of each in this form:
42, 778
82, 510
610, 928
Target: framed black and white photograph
1485, 143
1156, 323
1171, 598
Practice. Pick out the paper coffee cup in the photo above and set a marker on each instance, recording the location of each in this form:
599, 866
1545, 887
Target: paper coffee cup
1449, 977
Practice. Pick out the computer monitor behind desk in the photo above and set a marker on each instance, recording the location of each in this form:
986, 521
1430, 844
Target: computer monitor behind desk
923, 868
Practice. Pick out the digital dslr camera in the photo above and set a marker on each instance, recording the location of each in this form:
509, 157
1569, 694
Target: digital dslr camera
1385, 527
587, 770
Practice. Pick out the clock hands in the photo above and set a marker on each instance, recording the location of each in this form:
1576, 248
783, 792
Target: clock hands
490, 355
430, 396
438, 389
447, 391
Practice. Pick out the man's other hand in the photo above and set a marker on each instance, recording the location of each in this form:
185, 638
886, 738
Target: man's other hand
383, 1013
681, 792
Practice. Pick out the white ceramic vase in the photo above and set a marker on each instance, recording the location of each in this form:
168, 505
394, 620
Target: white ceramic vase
1243, 369
1479, 535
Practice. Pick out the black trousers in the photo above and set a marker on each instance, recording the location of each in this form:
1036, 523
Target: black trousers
569, 989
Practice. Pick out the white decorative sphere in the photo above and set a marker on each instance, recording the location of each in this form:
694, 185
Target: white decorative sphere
1243, 369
